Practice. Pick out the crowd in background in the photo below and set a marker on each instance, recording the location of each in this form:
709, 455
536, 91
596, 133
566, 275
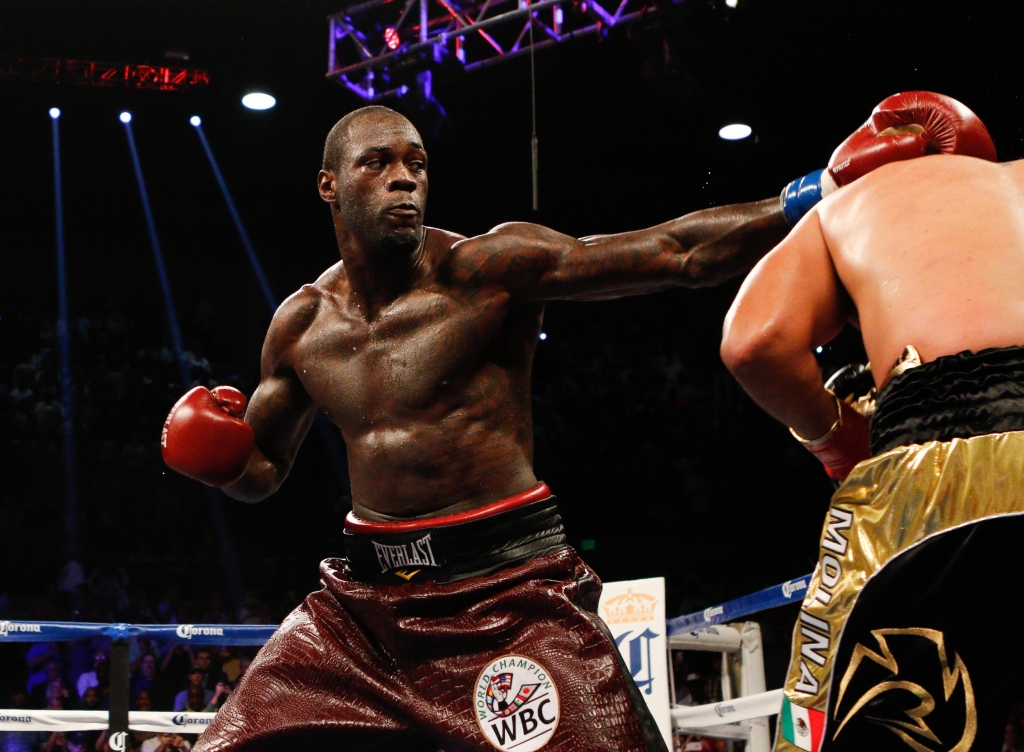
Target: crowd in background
165, 676
76, 676
620, 412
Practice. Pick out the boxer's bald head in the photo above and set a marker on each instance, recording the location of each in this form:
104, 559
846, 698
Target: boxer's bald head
375, 176
340, 135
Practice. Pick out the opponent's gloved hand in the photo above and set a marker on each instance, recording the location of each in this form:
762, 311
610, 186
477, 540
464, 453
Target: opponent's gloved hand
909, 125
854, 384
205, 438
903, 126
845, 444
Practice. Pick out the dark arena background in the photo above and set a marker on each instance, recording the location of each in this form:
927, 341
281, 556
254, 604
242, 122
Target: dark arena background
662, 465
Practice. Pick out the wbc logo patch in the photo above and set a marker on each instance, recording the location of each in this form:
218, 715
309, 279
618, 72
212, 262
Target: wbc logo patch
516, 703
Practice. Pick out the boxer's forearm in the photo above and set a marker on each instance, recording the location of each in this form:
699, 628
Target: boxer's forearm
261, 479
701, 249
726, 241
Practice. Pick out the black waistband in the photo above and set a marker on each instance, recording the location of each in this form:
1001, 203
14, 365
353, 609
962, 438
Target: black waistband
456, 551
951, 397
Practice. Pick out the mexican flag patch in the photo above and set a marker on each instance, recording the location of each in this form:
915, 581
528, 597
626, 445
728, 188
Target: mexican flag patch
802, 726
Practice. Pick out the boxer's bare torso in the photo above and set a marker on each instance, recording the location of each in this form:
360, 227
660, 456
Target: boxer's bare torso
932, 253
927, 252
419, 343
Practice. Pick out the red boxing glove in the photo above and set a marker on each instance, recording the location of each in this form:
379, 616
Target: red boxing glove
846, 443
205, 438
909, 125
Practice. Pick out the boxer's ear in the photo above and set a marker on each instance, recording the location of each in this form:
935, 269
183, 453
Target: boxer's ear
327, 184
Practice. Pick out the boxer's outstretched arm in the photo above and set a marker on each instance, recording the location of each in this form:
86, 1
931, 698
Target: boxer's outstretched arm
280, 411
790, 303
703, 248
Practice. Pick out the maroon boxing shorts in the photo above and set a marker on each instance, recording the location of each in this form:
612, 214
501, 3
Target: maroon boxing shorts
476, 631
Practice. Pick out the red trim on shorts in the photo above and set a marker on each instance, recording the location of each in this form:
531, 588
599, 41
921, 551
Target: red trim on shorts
357, 525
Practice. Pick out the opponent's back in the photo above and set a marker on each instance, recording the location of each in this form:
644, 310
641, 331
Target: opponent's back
931, 251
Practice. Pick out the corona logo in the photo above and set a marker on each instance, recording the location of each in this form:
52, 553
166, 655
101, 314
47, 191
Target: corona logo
911, 724
788, 588
712, 611
11, 627
631, 607
188, 631
184, 719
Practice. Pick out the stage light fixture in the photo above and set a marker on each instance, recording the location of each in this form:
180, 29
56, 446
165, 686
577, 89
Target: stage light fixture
54, 113
126, 117
196, 121
543, 335
258, 101
732, 3
392, 38
734, 132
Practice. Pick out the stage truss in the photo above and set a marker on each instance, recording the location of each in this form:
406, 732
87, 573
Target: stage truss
390, 48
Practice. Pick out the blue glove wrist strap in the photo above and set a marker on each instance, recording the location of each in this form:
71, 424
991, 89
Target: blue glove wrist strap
800, 196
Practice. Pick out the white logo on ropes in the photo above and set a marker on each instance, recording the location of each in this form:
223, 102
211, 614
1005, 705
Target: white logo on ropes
183, 719
721, 710
187, 631
9, 627
118, 741
788, 588
711, 613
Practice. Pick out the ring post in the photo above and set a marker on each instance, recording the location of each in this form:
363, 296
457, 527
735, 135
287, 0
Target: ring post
752, 683
120, 680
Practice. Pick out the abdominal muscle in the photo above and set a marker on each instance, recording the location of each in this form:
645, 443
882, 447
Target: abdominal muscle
932, 254
436, 468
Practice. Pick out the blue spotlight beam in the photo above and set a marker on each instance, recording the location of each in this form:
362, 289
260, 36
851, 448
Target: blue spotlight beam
268, 294
334, 453
158, 256
229, 557
71, 537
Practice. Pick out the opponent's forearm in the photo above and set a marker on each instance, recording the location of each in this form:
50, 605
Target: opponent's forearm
726, 241
786, 384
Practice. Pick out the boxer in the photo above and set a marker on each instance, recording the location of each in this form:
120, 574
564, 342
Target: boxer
926, 257
460, 617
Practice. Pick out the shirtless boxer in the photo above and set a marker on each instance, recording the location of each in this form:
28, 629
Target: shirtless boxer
919, 549
460, 618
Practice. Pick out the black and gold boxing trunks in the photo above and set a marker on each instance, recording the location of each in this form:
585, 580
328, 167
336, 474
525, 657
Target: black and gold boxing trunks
904, 641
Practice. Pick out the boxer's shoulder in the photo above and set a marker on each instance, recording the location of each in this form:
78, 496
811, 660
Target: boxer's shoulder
511, 248
441, 239
295, 316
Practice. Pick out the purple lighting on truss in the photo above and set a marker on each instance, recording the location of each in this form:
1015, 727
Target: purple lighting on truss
377, 47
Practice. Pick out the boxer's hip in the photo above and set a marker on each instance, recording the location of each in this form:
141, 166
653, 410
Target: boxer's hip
952, 397
476, 543
916, 547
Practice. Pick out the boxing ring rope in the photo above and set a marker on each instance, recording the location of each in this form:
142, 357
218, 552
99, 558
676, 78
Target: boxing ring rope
762, 600
99, 720
726, 719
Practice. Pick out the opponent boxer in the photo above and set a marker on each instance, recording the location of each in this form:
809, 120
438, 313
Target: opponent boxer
460, 618
918, 550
